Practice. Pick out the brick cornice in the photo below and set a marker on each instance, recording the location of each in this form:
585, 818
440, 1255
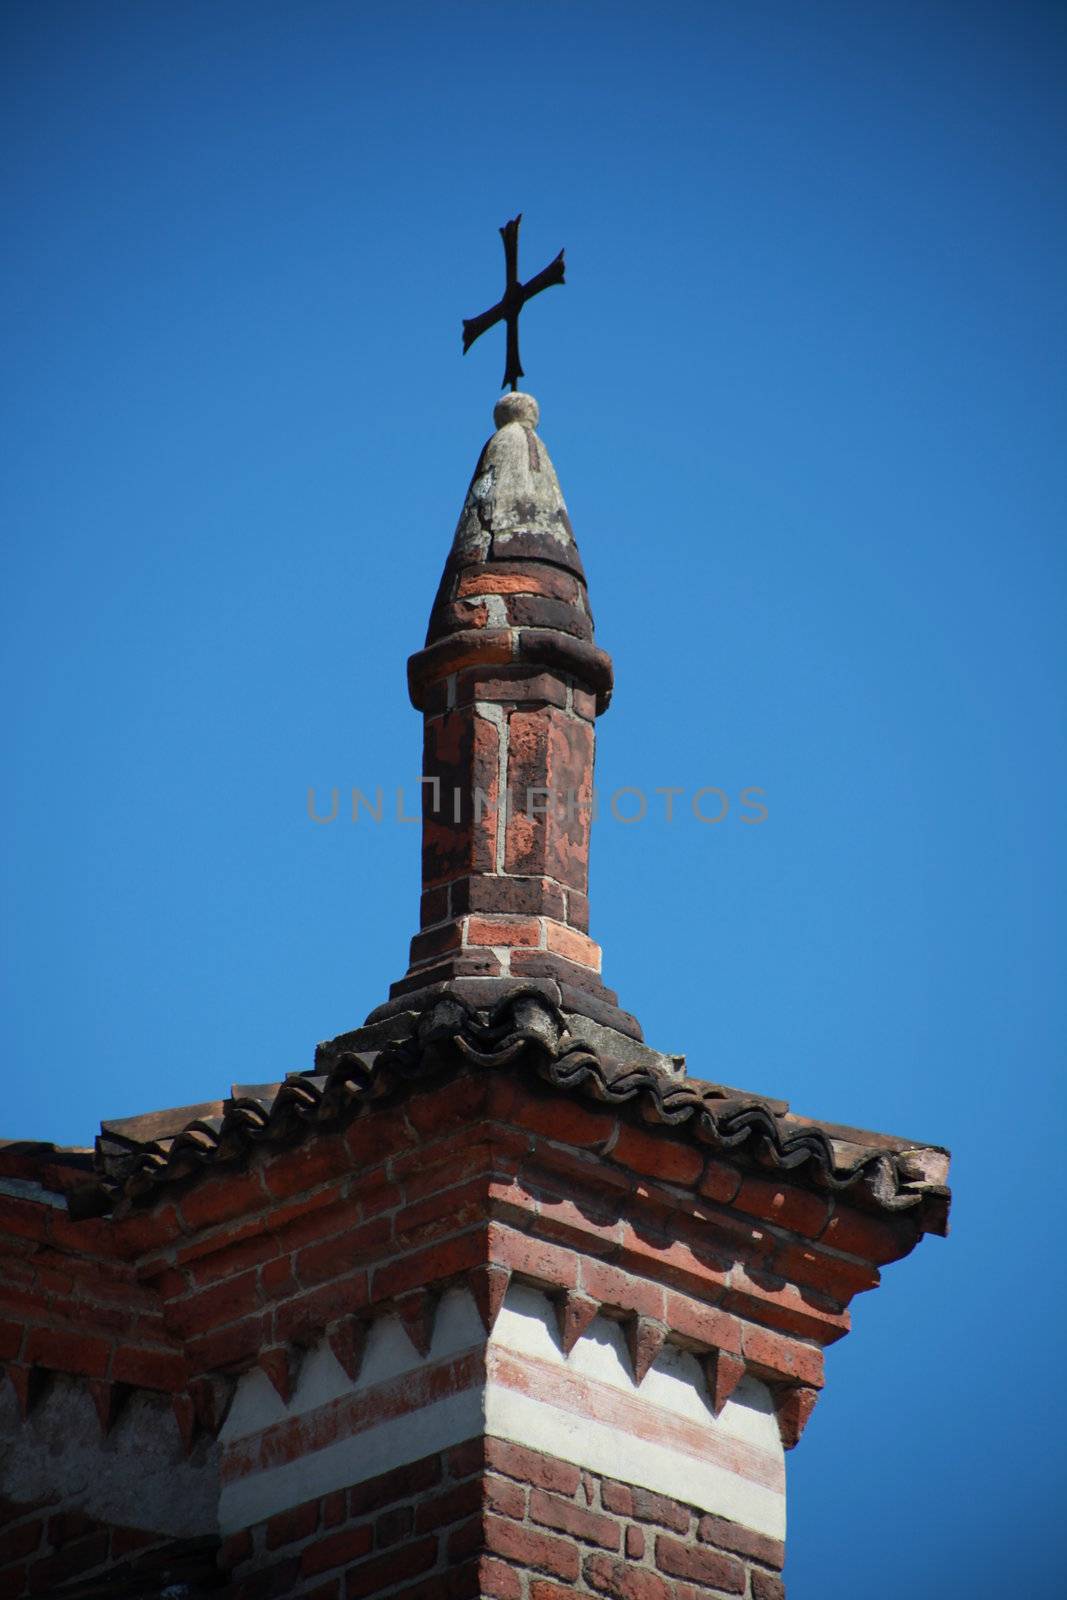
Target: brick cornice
525, 1034
467, 1173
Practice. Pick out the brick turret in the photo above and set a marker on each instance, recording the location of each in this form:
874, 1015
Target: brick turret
496, 1300
509, 684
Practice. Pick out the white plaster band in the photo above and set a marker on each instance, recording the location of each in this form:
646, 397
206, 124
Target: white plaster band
343, 1418
631, 1422
583, 1408
350, 1460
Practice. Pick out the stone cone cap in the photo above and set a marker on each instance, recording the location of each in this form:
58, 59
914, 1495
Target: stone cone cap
514, 510
513, 591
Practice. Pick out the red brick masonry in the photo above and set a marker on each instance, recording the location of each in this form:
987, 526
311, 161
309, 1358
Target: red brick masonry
483, 1176
480, 1179
490, 1518
43, 1550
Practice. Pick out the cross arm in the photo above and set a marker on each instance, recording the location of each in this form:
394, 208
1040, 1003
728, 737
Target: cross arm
474, 327
549, 275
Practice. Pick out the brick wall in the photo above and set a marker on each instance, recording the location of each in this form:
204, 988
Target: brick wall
480, 1179
46, 1548
70, 1297
490, 1518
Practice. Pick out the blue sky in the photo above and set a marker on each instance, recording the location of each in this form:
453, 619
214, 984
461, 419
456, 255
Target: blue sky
805, 392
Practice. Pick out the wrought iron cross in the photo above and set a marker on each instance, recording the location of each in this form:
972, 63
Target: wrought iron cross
515, 297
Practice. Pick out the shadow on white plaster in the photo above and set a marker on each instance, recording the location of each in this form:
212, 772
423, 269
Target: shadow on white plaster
137, 1475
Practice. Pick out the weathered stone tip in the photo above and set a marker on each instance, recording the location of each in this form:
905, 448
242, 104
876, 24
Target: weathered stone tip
517, 407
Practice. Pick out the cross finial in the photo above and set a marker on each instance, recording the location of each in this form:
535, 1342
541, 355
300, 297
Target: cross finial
514, 298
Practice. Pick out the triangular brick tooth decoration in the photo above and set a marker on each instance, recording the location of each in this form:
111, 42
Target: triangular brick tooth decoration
574, 1312
417, 1311
645, 1339
109, 1399
724, 1372
794, 1404
347, 1338
489, 1284
212, 1397
281, 1363
29, 1384
185, 1417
